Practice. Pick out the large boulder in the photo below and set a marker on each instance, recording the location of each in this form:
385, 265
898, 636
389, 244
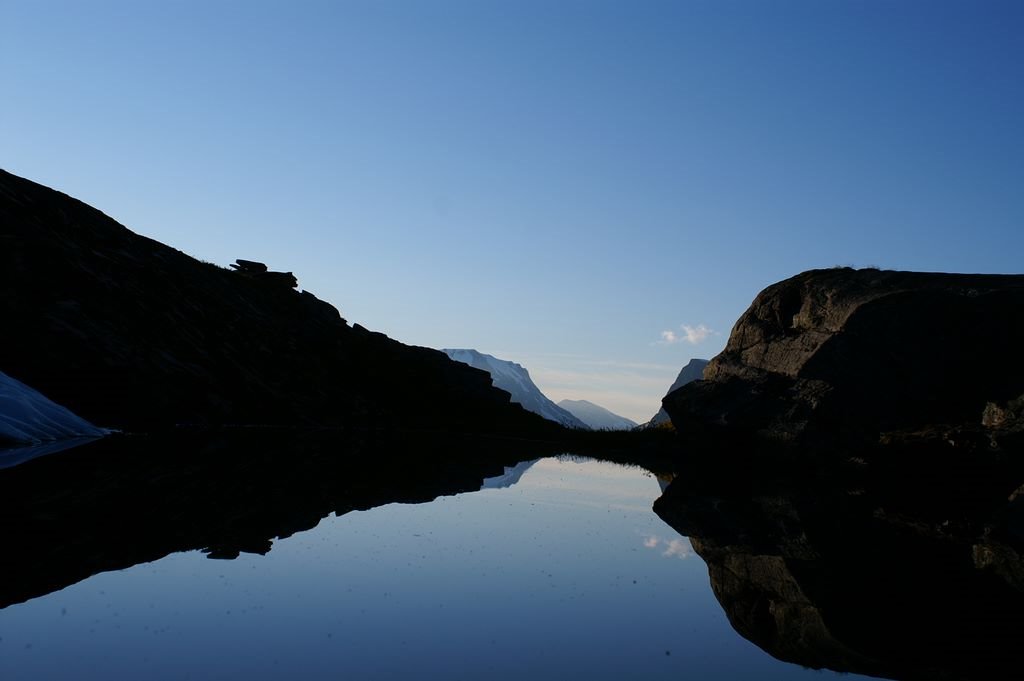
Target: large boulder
843, 356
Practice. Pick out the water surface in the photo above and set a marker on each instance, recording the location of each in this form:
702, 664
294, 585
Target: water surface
552, 570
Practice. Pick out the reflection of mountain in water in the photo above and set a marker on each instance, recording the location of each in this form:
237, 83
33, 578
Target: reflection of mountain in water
927, 583
509, 477
116, 503
900, 576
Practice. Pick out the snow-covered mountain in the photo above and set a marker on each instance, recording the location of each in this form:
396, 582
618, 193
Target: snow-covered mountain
515, 379
27, 417
596, 416
693, 371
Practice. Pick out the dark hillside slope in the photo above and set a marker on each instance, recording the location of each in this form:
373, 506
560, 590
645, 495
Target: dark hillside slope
130, 333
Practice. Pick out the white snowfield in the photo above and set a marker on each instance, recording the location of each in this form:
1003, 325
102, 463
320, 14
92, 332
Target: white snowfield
515, 379
27, 417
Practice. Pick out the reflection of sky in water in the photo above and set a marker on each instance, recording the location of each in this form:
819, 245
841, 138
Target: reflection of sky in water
678, 547
563, 574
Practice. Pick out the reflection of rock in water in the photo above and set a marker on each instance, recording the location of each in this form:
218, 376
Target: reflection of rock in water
123, 501
664, 480
510, 477
846, 579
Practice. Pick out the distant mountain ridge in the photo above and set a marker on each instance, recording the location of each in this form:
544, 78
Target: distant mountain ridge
515, 379
596, 416
693, 371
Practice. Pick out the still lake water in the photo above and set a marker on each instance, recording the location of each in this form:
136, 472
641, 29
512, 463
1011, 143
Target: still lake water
558, 569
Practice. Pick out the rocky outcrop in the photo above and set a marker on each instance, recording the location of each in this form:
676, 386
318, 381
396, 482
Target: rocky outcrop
249, 267
844, 356
130, 333
260, 272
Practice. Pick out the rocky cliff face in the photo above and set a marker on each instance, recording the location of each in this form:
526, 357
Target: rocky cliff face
846, 355
130, 333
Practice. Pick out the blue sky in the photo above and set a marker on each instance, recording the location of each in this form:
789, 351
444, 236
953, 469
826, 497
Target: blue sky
555, 183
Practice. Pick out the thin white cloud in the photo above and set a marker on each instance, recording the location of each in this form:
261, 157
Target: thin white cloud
691, 334
696, 334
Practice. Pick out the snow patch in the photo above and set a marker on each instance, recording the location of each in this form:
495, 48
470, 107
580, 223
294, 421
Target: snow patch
27, 417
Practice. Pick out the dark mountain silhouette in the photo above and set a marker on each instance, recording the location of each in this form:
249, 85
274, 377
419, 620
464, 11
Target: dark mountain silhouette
693, 371
130, 333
